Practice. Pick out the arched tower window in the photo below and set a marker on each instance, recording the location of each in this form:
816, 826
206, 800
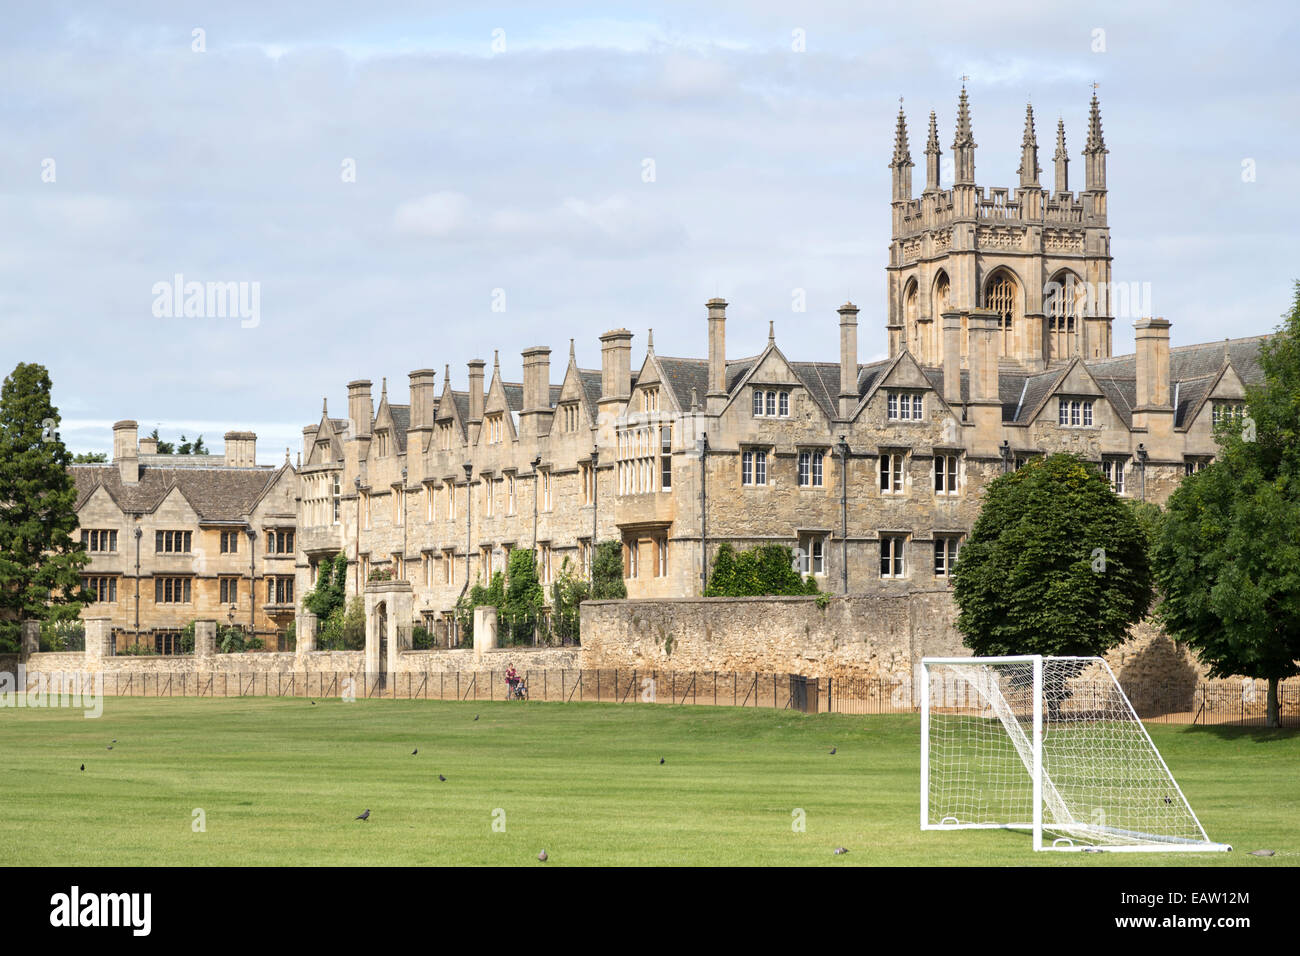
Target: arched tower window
1000, 295
910, 317
1064, 305
941, 302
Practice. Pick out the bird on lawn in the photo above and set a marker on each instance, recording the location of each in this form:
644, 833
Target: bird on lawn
415, 751
114, 740
109, 747
83, 766
313, 703
442, 778
476, 716
661, 761
1261, 852
366, 815
832, 751
841, 850
542, 856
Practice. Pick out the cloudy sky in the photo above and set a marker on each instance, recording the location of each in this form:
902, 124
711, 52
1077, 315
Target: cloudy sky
391, 175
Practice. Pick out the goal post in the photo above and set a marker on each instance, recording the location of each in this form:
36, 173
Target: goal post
1051, 745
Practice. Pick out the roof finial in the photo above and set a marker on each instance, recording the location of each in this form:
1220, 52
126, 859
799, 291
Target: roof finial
964, 135
650, 342
572, 359
446, 374
1096, 143
932, 142
383, 389
325, 407
496, 359
286, 454
695, 399
1060, 140
902, 153
771, 332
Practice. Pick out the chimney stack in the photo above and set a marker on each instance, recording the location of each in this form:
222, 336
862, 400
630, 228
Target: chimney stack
241, 449
952, 358
360, 411
616, 365
537, 379
717, 352
125, 452
848, 358
1152, 363
476, 396
148, 446
983, 331
422, 397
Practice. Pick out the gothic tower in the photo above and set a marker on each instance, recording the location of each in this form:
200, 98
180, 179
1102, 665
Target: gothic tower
1037, 259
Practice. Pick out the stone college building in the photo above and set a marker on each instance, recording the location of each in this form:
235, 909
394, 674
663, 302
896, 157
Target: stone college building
999, 324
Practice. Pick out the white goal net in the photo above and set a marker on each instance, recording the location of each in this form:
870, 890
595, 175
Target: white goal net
1050, 745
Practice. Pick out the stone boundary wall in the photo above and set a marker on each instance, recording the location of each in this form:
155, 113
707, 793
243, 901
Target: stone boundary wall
861, 636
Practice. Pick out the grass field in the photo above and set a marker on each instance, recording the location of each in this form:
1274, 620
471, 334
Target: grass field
280, 781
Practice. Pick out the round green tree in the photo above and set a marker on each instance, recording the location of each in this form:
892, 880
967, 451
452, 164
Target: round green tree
1056, 564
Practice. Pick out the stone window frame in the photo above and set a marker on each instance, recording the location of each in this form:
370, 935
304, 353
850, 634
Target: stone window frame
893, 551
173, 542
947, 480
911, 399
1223, 409
95, 539
753, 465
228, 589
947, 551
102, 586
891, 471
810, 464
1113, 468
770, 402
1195, 463
812, 559
168, 586
1074, 412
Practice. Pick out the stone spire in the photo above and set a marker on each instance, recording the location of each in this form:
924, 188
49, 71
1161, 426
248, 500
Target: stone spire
1062, 159
771, 332
573, 359
932, 153
963, 144
1095, 150
325, 407
650, 342
1029, 168
901, 164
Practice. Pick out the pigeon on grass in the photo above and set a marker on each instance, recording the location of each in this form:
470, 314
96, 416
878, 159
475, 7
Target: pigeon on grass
365, 815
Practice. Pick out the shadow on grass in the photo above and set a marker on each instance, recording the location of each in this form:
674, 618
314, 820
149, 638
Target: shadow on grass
1255, 734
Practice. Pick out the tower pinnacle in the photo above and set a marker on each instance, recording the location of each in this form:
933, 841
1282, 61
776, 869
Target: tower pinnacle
1029, 169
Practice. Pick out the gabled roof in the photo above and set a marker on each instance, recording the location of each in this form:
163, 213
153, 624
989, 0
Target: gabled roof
216, 494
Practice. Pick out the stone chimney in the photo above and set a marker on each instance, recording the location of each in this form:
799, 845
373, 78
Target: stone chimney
984, 410
476, 397
148, 446
717, 393
536, 412
848, 358
360, 410
952, 358
537, 379
125, 453
423, 399
983, 332
241, 449
1152, 363
616, 365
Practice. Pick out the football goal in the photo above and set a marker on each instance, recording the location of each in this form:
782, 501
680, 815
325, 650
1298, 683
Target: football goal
1050, 745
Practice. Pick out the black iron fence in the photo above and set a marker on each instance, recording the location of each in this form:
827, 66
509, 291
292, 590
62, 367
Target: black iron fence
1208, 702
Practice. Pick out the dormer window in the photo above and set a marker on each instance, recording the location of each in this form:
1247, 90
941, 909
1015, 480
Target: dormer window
1074, 412
569, 416
444, 436
495, 428
1228, 411
650, 400
769, 403
906, 406
382, 445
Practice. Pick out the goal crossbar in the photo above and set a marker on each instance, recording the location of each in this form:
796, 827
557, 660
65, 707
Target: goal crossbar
1051, 745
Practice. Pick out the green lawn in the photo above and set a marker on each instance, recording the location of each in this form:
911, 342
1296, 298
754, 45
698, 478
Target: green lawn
280, 782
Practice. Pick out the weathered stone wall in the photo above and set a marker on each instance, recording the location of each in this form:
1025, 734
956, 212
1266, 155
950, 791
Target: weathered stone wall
863, 636
876, 636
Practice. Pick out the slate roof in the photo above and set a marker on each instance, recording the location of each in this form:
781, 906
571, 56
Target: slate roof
217, 494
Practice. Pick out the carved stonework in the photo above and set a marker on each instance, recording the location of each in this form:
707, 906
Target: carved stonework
1061, 240
942, 241
911, 250
999, 237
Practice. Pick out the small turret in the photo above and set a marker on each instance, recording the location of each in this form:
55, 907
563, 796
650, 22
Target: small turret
901, 164
1062, 159
1029, 169
932, 153
964, 145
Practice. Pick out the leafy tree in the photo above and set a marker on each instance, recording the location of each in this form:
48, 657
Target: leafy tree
765, 570
1228, 553
524, 598
164, 447
1056, 564
90, 458
330, 592
568, 591
493, 593
607, 572
345, 628
40, 562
